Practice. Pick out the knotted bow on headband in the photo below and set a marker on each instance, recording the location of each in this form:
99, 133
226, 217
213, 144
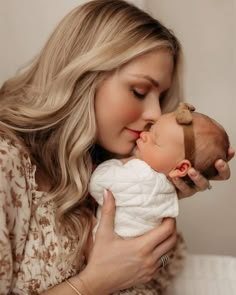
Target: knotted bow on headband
184, 117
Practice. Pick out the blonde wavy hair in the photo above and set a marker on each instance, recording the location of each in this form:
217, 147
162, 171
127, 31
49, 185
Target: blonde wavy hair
49, 105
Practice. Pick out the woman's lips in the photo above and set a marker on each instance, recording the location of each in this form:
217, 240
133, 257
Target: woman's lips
134, 133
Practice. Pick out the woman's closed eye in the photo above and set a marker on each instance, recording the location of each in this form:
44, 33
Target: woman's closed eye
139, 94
142, 94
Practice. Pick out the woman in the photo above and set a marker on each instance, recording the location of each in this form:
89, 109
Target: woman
106, 74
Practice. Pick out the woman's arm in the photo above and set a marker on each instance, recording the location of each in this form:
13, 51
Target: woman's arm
114, 263
201, 183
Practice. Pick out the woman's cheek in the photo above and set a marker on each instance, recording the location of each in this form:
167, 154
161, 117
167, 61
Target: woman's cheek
131, 112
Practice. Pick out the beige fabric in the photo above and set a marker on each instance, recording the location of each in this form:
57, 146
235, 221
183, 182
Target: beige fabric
28, 242
206, 275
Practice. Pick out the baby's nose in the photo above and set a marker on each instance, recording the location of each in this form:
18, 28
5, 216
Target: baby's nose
144, 135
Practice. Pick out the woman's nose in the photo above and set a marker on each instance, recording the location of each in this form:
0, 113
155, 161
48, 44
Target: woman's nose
152, 111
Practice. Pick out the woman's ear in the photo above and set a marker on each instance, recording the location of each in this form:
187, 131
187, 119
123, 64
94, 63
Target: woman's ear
181, 169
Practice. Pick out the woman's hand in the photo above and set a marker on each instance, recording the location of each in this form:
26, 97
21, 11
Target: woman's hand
115, 263
223, 168
201, 183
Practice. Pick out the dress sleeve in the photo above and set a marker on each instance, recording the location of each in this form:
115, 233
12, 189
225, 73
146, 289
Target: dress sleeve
14, 214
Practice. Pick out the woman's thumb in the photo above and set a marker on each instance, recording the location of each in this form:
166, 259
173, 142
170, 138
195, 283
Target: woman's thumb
108, 213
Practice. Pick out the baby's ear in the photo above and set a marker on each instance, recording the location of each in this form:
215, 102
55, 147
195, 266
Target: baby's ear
181, 169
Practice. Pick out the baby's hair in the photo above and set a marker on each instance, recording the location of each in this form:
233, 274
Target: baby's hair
211, 143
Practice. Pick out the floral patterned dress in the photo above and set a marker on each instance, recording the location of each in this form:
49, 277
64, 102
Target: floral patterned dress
31, 258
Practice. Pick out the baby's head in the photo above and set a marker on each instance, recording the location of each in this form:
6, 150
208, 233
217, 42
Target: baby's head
173, 145
210, 142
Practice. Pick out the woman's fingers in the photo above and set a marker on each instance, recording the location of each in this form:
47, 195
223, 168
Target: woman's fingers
164, 248
201, 183
223, 169
90, 242
106, 226
184, 190
156, 236
231, 153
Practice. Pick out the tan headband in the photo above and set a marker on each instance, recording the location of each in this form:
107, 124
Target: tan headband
184, 117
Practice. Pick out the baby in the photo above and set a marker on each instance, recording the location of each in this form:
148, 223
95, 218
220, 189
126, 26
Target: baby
141, 183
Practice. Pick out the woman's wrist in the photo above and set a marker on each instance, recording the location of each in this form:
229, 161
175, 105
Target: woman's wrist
86, 285
77, 284
77, 291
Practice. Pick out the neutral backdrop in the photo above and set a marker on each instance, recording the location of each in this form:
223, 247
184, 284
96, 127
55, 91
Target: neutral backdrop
207, 31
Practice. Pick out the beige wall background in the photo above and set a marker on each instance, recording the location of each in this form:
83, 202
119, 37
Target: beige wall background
24, 27
207, 30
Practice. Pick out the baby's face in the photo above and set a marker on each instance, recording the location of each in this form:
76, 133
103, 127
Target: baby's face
162, 147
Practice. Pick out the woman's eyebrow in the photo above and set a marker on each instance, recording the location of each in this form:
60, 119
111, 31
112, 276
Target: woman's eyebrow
149, 78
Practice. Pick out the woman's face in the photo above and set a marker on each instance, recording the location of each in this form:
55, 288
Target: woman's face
129, 100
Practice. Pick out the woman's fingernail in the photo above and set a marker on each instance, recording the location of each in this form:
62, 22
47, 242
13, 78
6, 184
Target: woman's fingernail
105, 194
221, 163
193, 173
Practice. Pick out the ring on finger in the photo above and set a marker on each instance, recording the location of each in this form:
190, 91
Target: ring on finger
164, 260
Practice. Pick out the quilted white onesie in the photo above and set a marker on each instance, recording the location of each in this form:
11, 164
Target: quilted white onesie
143, 196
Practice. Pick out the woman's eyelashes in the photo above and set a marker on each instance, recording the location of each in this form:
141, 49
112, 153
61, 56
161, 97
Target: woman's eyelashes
139, 94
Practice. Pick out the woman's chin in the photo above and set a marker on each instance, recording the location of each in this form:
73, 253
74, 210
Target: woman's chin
120, 151
127, 153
